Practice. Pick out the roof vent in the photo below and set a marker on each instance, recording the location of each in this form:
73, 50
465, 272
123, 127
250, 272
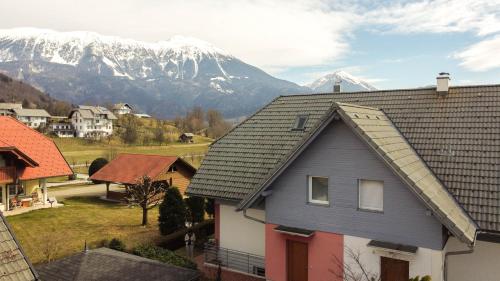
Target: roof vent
442, 83
336, 86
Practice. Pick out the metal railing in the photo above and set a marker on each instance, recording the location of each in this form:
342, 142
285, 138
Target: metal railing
235, 260
7, 174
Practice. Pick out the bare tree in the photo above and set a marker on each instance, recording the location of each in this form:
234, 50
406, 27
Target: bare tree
145, 194
51, 245
352, 268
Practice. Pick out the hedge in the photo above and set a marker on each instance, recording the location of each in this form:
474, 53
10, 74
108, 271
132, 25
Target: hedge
163, 255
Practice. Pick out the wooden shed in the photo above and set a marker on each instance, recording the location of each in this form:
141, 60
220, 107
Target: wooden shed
128, 169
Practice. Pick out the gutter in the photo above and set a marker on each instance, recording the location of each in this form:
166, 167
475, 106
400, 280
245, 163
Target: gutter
252, 218
457, 253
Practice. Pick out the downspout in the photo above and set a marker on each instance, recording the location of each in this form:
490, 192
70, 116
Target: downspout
252, 218
457, 253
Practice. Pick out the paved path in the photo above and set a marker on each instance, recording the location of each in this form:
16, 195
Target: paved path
87, 190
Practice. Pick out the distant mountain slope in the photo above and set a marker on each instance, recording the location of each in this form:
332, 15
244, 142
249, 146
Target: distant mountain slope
18, 92
348, 83
162, 79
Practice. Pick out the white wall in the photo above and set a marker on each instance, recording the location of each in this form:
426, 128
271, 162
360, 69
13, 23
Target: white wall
242, 234
482, 265
423, 262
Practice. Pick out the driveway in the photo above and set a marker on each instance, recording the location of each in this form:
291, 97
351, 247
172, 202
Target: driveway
87, 190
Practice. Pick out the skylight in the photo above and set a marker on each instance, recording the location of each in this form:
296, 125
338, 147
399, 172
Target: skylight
300, 122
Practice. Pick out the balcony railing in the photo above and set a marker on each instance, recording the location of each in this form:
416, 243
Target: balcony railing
7, 174
235, 260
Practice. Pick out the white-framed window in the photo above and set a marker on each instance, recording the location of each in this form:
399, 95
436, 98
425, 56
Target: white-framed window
371, 195
318, 190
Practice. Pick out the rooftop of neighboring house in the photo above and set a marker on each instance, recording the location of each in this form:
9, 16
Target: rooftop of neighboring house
128, 168
9, 106
110, 265
88, 111
47, 160
31, 112
121, 105
14, 264
454, 134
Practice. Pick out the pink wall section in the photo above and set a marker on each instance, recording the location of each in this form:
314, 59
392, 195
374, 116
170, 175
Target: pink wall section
323, 247
217, 221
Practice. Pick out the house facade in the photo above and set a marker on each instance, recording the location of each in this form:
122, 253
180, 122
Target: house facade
62, 130
350, 186
27, 160
92, 121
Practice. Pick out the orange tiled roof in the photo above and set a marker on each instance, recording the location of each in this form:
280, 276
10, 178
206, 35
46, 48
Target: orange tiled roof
36, 146
129, 168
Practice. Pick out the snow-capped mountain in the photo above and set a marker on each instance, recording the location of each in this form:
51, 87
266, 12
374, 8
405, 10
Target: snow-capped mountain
163, 78
348, 83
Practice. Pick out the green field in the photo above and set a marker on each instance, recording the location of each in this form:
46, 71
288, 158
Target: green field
63, 231
81, 151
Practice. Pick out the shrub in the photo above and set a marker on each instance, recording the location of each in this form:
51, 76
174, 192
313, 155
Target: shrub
163, 255
96, 165
172, 212
196, 208
117, 244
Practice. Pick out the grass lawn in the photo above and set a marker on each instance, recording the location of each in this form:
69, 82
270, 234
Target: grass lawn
80, 151
81, 219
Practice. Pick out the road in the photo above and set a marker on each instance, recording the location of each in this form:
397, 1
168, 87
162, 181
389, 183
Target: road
86, 190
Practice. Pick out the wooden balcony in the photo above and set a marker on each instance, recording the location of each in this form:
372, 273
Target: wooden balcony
7, 174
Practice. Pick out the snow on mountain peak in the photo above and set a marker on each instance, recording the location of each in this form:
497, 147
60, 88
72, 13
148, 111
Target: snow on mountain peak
348, 83
177, 57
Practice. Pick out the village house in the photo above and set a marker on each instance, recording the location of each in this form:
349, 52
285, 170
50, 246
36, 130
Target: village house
34, 118
393, 184
6, 109
62, 130
122, 108
128, 169
92, 121
186, 137
27, 160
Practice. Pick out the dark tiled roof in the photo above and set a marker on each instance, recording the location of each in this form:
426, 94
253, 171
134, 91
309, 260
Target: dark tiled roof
456, 135
14, 265
104, 264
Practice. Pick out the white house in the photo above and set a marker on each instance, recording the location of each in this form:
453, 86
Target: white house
122, 108
62, 130
92, 121
34, 118
6, 109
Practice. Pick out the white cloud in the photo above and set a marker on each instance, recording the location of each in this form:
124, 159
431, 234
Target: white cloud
269, 34
439, 16
481, 56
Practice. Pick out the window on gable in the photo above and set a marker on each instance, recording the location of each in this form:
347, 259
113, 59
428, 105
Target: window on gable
300, 122
371, 195
318, 190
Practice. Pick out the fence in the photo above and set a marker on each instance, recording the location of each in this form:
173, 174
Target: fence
236, 260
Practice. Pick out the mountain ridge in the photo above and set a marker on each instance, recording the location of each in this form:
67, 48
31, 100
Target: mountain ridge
164, 79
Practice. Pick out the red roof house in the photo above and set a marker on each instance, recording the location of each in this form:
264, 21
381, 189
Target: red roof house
27, 158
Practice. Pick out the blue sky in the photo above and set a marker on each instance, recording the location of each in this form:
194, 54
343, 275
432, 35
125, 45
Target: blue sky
390, 44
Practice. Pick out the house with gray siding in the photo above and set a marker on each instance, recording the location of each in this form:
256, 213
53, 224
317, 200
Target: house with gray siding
387, 185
